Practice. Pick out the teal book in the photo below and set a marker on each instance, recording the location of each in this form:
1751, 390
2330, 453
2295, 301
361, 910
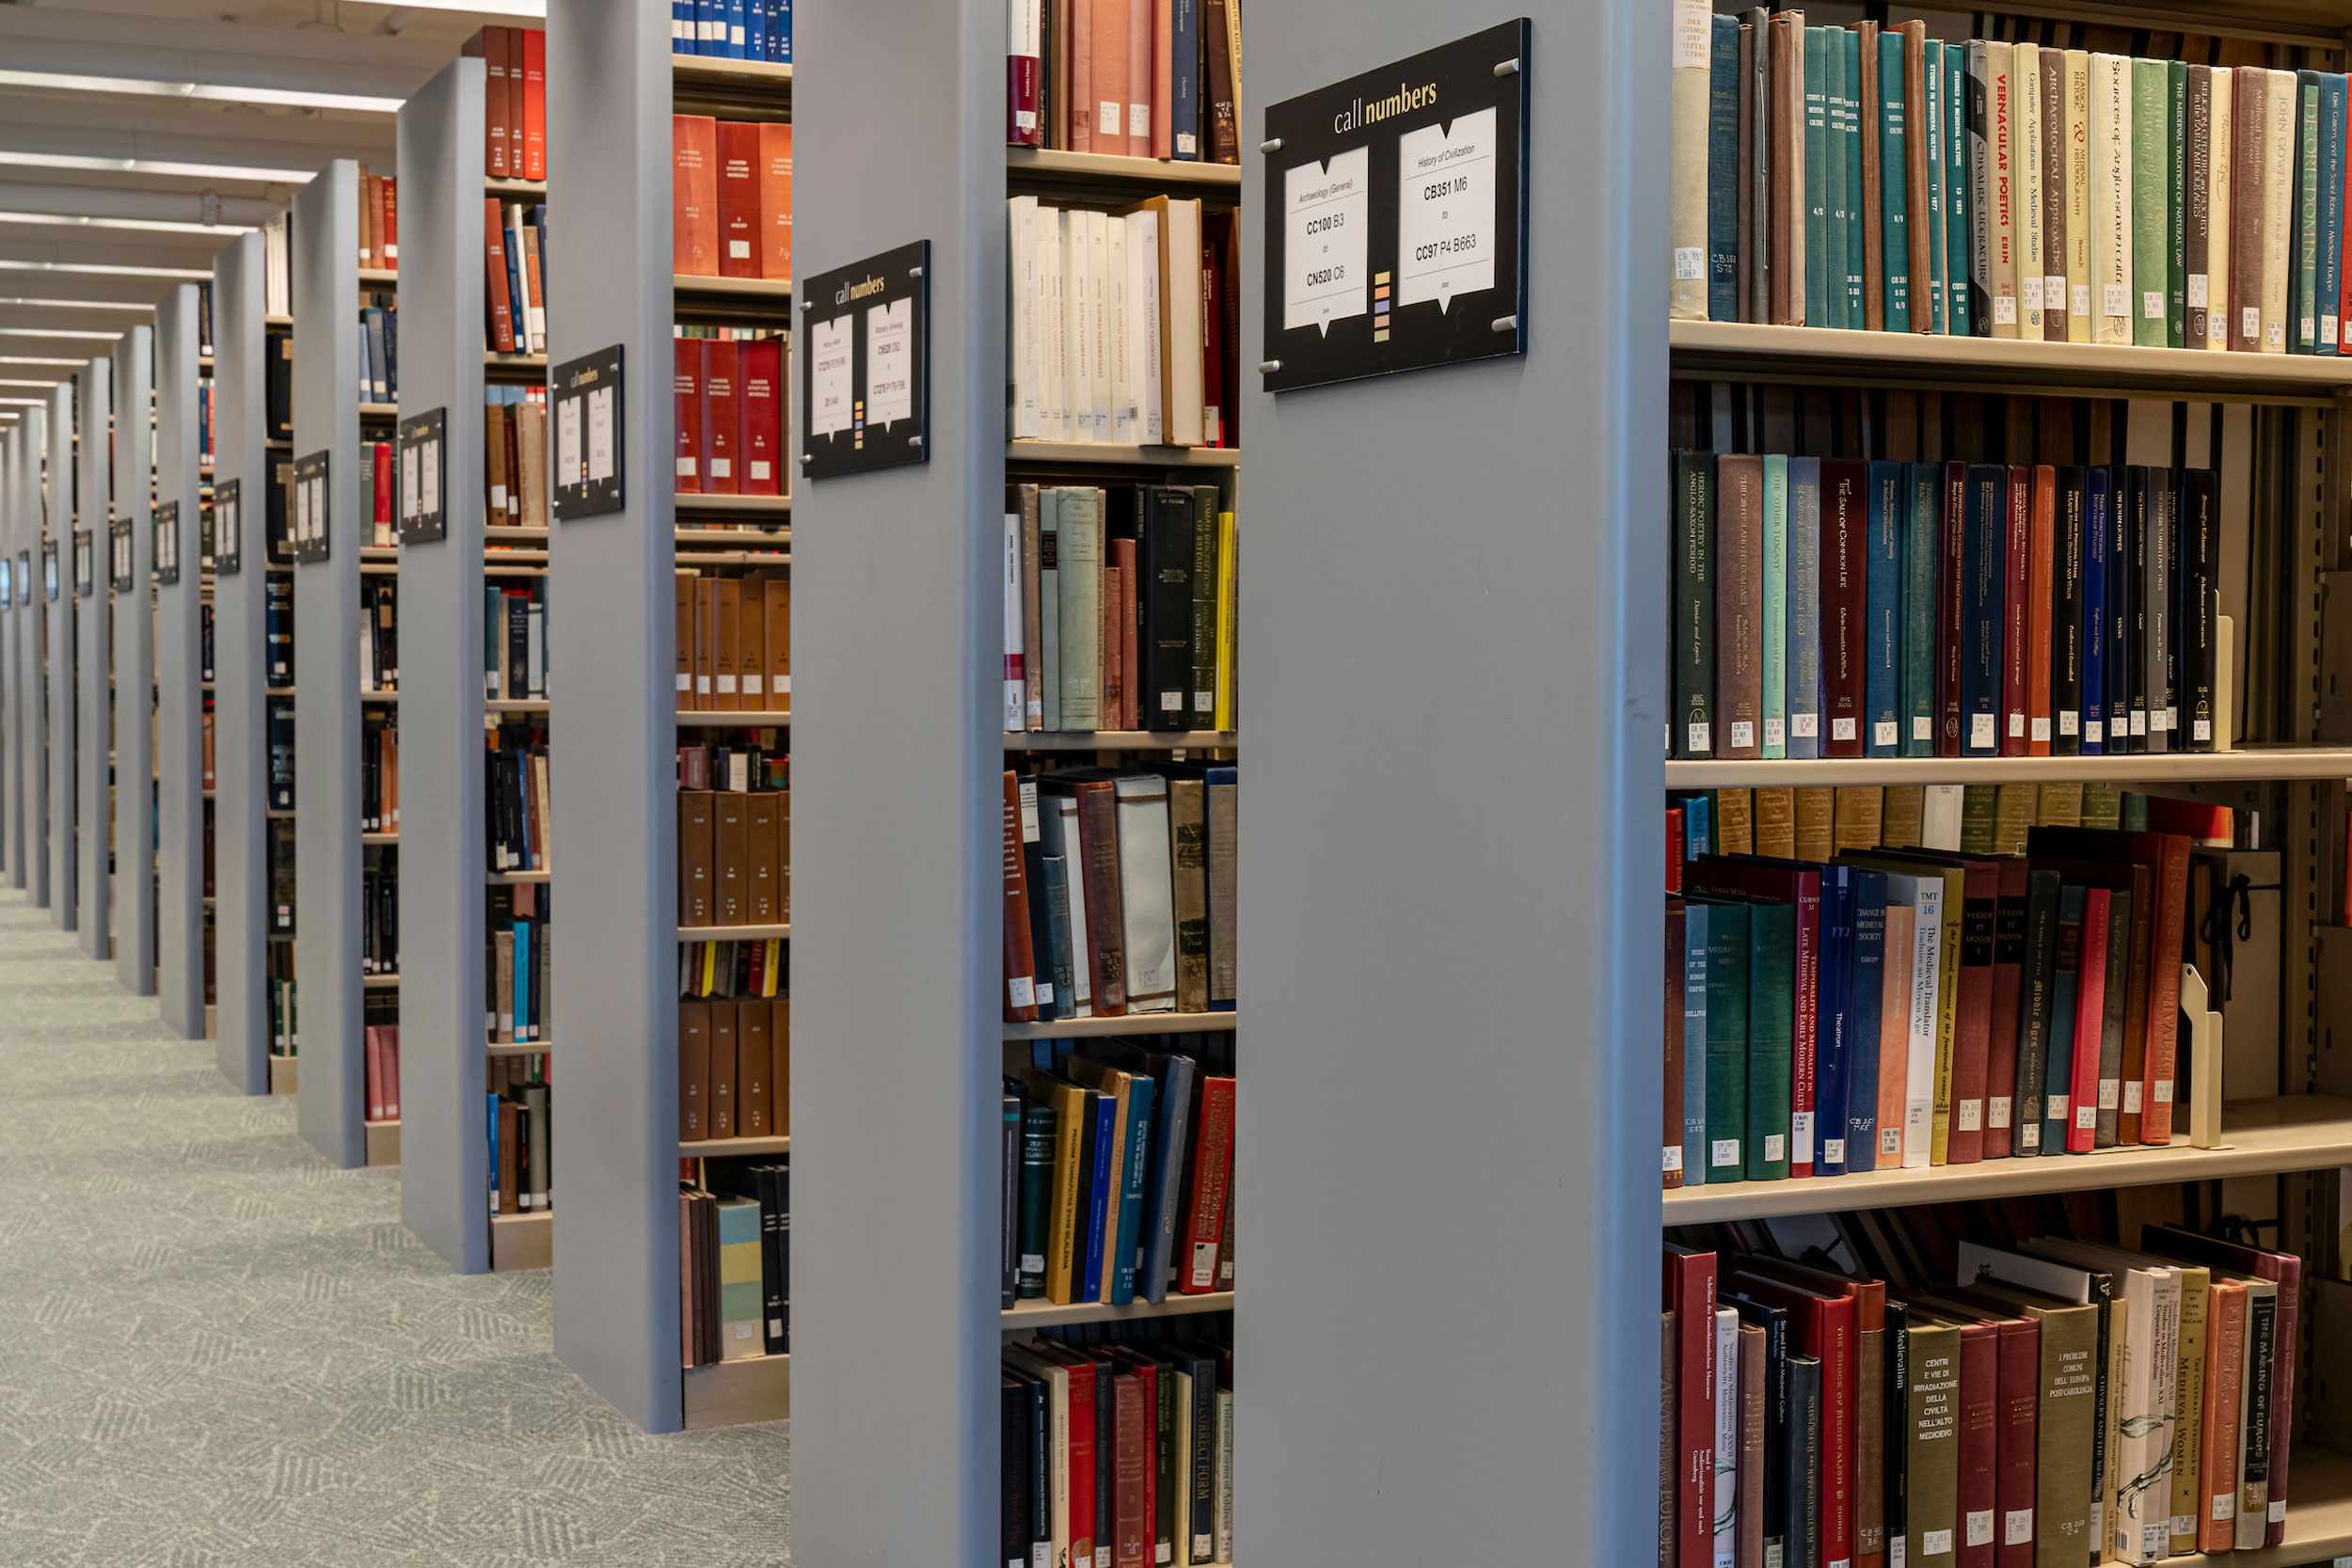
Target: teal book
1804, 606
2304, 309
1694, 936
1722, 171
1894, 184
1923, 547
1816, 297
1771, 1035
1776, 606
2151, 158
1933, 300
1129, 1242
2176, 214
2060, 1072
1857, 248
1727, 945
1834, 223
1956, 210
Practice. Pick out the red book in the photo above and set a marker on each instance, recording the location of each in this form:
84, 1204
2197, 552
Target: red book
695, 196
392, 223
721, 417
1109, 74
1080, 111
1845, 604
1082, 1522
1758, 881
1674, 837
389, 1035
759, 366
2090, 1002
1972, 1018
2225, 1377
1823, 1326
383, 519
2192, 819
1212, 1170
534, 63
372, 1050
688, 387
1024, 53
1974, 1537
1140, 125
1951, 636
1689, 1292
2016, 656
1131, 1473
2021, 1410
2041, 589
1020, 963
494, 260
488, 45
739, 199
775, 201
2008, 960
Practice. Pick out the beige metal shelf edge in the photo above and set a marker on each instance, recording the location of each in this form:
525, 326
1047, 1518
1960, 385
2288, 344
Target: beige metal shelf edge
2255, 763
1131, 1023
1041, 1313
2260, 1137
1121, 741
1050, 164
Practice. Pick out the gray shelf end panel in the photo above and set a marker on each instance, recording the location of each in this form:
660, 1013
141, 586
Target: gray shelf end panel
64, 714
180, 675
16, 708
443, 1140
135, 664
898, 967
327, 670
93, 659
614, 996
242, 909
31, 688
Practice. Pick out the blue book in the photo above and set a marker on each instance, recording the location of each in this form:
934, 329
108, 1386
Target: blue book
493, 1120
703, 27
2331, 111
755, 28
737, 24
1882, 681
1866, 999
1984, 580
2099, 497
2055, 1113
1698, 824
1833, 227
1098, 1198
1895, 230
780, 31
1857, 251
1956, 208
1831, 1022
519, 1020
1923, 547
1723, 170
1936, 300
493, 641
1163, 1203
1776, 606
681, 27
1804, 606
1694, 1045
1183, 80
1126, 1256
1818, 310
2121, 591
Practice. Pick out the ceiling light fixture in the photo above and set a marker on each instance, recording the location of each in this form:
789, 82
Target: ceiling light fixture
211, 92
159, 166
155, 226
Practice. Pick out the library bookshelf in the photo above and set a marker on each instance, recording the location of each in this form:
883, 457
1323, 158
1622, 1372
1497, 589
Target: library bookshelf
181, 690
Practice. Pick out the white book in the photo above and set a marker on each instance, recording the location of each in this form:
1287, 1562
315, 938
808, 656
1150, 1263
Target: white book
1146, 888
534, 639
2151, 1354
1143, 309
2027, 75
1687, 109
1020, 281
1124, 411
1059, 835
1016, 677
1052, 326
1939, 818
2110, 199
2078, 316
1099, 320
1181, 406
2280, 188
2002, 150
1926, 895
1076, 426
1049, 609
1725, 1501
1079, 556
2217, 196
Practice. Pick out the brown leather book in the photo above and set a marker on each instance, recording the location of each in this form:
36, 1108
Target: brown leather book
778, 597
1106, 930
695, 846
490, 47
693, 1071
2053, 91
754, 1058
783, 854
502, 987
780, 1068
751, 646
2224, 1414
496, 298
1918, 136
1776, 822
727, 594
763, 898
1187, 830
1751, 1464
694, 194
740, 189
1740, 604
2195, 186
494, 464
1677, 925
705, 642
1861, 817
1787, 260
774, 249
510, 1172
730, 847
1816, 822
1735, 822
1874, 232
2249, 229
722, 1062
687, 641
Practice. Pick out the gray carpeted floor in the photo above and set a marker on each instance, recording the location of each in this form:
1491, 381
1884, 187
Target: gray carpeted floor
216, 1351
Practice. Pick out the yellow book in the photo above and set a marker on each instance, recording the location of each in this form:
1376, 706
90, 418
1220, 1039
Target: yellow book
1735, 823
2012, 814
1816, 822
1073, 1108
1776, 822
2189, 1404
1226, 583
2060, 806
1902, 817
2217, 198
2279, 186
1860, 816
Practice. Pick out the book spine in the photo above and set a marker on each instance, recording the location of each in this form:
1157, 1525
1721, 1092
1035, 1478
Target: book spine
1922, 549
2281, 163
1693, 174
2250, 88
1723, 173
2001, 218
1774, 701
2176, 206
1814, 170
2098, 504
1976, 161
2330, 237
1888, 520
1894, 166
2025, 93
2112, 235
1951, 611
2156, 609
1691, 732
1739, 598
2197, 190
2067, 568
1853, 150
2199, 630
2146, 201
1763, 224
2081, 320
2017, 654
2304, 314
1959, 198
1804, 606
1985, 572
1935, 236
1844, 605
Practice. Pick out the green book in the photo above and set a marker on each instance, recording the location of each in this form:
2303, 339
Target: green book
1857, 248
2102, 806
1726, 1038
1931, 205
1037, 1196
1977, 812
1818, 308
2176, 203
2305, 311
1833, 177
1771, 1033
1775, 605
1922, 554
1894, 209
1956, 209
2151, 159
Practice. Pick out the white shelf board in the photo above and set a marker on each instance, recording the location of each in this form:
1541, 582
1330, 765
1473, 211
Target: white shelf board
735, 933
2254, 763
752, 718
1041, 1313
1132, 1024
1111, 453
1121, 741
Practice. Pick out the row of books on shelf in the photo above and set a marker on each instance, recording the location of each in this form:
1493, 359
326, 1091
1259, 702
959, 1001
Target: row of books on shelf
279, 977
735, 641
730, 969
1117, 1443
514, 647
516, 964
1875, 179
731, 396
734, 857
1119, 891
514, 457
1132, 78
520, 1128
379, 771
735, 1069
283, 893
514, 100
731, 198
1837, 607
280, 738
1905, 1008
379, 222
1939, 1388
755, 764
207, 401
379, 1061
1118, 1171
379, 634
380, 912
277, 266
734, 1260
1125, 326
514, 297
518, 796
1120, 608
379, 331
733, 29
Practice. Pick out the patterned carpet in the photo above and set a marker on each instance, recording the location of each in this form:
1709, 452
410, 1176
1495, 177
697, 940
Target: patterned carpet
214, 1350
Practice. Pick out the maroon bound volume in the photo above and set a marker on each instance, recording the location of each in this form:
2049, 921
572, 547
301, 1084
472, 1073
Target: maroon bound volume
1975, 1536
1020, 964
1951, 635
1690, 1294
